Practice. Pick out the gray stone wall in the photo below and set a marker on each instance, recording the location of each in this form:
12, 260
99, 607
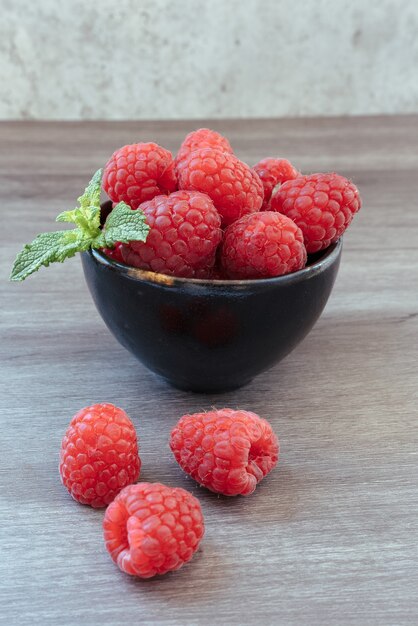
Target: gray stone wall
151, 59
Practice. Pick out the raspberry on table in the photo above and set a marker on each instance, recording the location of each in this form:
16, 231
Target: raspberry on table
322, 205
232, 185
138, 172
227, 451
185, 230
152, 529
262, 245
201, 138
99, 454
273, 172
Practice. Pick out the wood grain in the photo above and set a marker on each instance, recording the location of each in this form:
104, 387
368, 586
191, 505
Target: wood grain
331, 537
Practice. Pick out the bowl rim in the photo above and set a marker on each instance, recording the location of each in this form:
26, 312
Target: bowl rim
330, 255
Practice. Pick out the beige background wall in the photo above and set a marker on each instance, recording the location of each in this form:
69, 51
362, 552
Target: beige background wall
145, 59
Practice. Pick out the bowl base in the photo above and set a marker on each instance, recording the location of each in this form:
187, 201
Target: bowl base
204, 388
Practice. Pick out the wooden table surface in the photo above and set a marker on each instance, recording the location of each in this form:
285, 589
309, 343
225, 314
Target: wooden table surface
330, 537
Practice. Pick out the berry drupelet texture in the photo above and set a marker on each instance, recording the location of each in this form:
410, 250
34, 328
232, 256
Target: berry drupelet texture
184, 234
262, 245
138, 172
322, 205
227, 451
114, 253
152, 529
273, 172
232, 185
201, 138
99, 455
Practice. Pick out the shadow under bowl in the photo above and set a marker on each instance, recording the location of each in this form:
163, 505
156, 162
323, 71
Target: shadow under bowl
209, 336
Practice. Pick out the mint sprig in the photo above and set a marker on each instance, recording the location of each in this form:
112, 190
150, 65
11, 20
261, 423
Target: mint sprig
122, 224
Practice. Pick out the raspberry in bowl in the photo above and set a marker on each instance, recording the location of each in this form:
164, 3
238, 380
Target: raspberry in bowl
209, 334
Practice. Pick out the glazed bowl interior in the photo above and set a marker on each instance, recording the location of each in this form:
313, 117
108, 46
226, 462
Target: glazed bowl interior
209, 335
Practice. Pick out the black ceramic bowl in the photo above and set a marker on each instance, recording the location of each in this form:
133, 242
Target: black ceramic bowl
209, 335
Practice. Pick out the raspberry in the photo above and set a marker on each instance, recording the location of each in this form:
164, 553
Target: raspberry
201, 138
227, 451
184, 234
114, 253
233, 186
272, 172
152, 529
99, 454
139, 172
217, 273
262, 245
322, 205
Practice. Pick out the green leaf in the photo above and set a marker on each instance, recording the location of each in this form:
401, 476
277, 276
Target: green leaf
67, 216
87, 215
123, 224
45, 249
91, 195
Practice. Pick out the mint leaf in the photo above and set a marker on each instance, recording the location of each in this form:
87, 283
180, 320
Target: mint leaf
123, 224
67, 216
87, 215
45, 249
91, 195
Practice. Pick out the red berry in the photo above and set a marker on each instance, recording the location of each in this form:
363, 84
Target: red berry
217, 273
201, 138
184, 234
233, 186
273, 172
152, 529
114, 253
227, 451
99, 454
139, 172
262, 245
322, 205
